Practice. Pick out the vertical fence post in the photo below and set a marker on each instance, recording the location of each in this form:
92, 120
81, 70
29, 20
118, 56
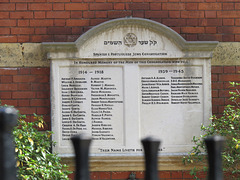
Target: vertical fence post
214, 146
151, 146
8, 119
81, 145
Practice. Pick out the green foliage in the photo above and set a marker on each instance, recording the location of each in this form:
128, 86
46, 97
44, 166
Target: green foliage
33, 148
228, 125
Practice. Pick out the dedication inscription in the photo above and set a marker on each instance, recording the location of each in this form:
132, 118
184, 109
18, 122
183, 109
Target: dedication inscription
92, 103
128, 79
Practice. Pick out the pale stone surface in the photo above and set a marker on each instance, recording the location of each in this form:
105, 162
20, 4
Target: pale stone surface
127, 79
23, 55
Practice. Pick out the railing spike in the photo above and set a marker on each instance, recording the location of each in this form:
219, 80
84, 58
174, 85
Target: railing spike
8, 119
81, 145
214, 146
151, 146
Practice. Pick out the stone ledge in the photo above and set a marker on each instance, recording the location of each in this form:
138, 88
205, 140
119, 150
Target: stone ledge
33, 55
133, 163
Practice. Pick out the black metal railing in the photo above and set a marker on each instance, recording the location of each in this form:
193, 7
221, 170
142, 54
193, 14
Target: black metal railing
81, 144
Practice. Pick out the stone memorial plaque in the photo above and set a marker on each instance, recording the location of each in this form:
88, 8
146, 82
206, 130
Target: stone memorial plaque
127, 79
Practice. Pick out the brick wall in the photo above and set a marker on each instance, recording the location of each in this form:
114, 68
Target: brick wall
65, 20
28, 88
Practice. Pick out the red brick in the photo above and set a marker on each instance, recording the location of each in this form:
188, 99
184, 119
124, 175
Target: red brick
138, 13
186, 174
230, 77
40, 86
43, 110
22, 30
76, 14
94, 175
8, 71
210, 22
229, 69
4, 30
224, 93
218, 101
23, 71
23, 22
140, 175
9, 102
156, 14
174, 14
77, 22
104, 175
6, 79
23, 95
58, 1
43, 94
117, 14
191, 6
58, 14
95, 22
228, 14
40, 71
164, 174
60, 38
7, 6
191, 37
8, 22
4, 15
119, 6
210, 6
192, 29
58, 6
228, 6
8, 87
176, 174
210, 14
39, 14
24, 86
41, 22
210, 37
77, 30
40, 6
237, 69
120, 175
59, 30
192, 14
228, 22
21, 15
5, 95
41, 38
228, 38
101, 6
155, 6
101, 14
217, 85
26, 78
138, 6
211, 30
214, 77
217, 69
59, 22
8, 39
192, 0
174, 22
76, 6
173, 6
237, 6
21, 6
23, 38
23, 103
27, 110
192, 22
88, 14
